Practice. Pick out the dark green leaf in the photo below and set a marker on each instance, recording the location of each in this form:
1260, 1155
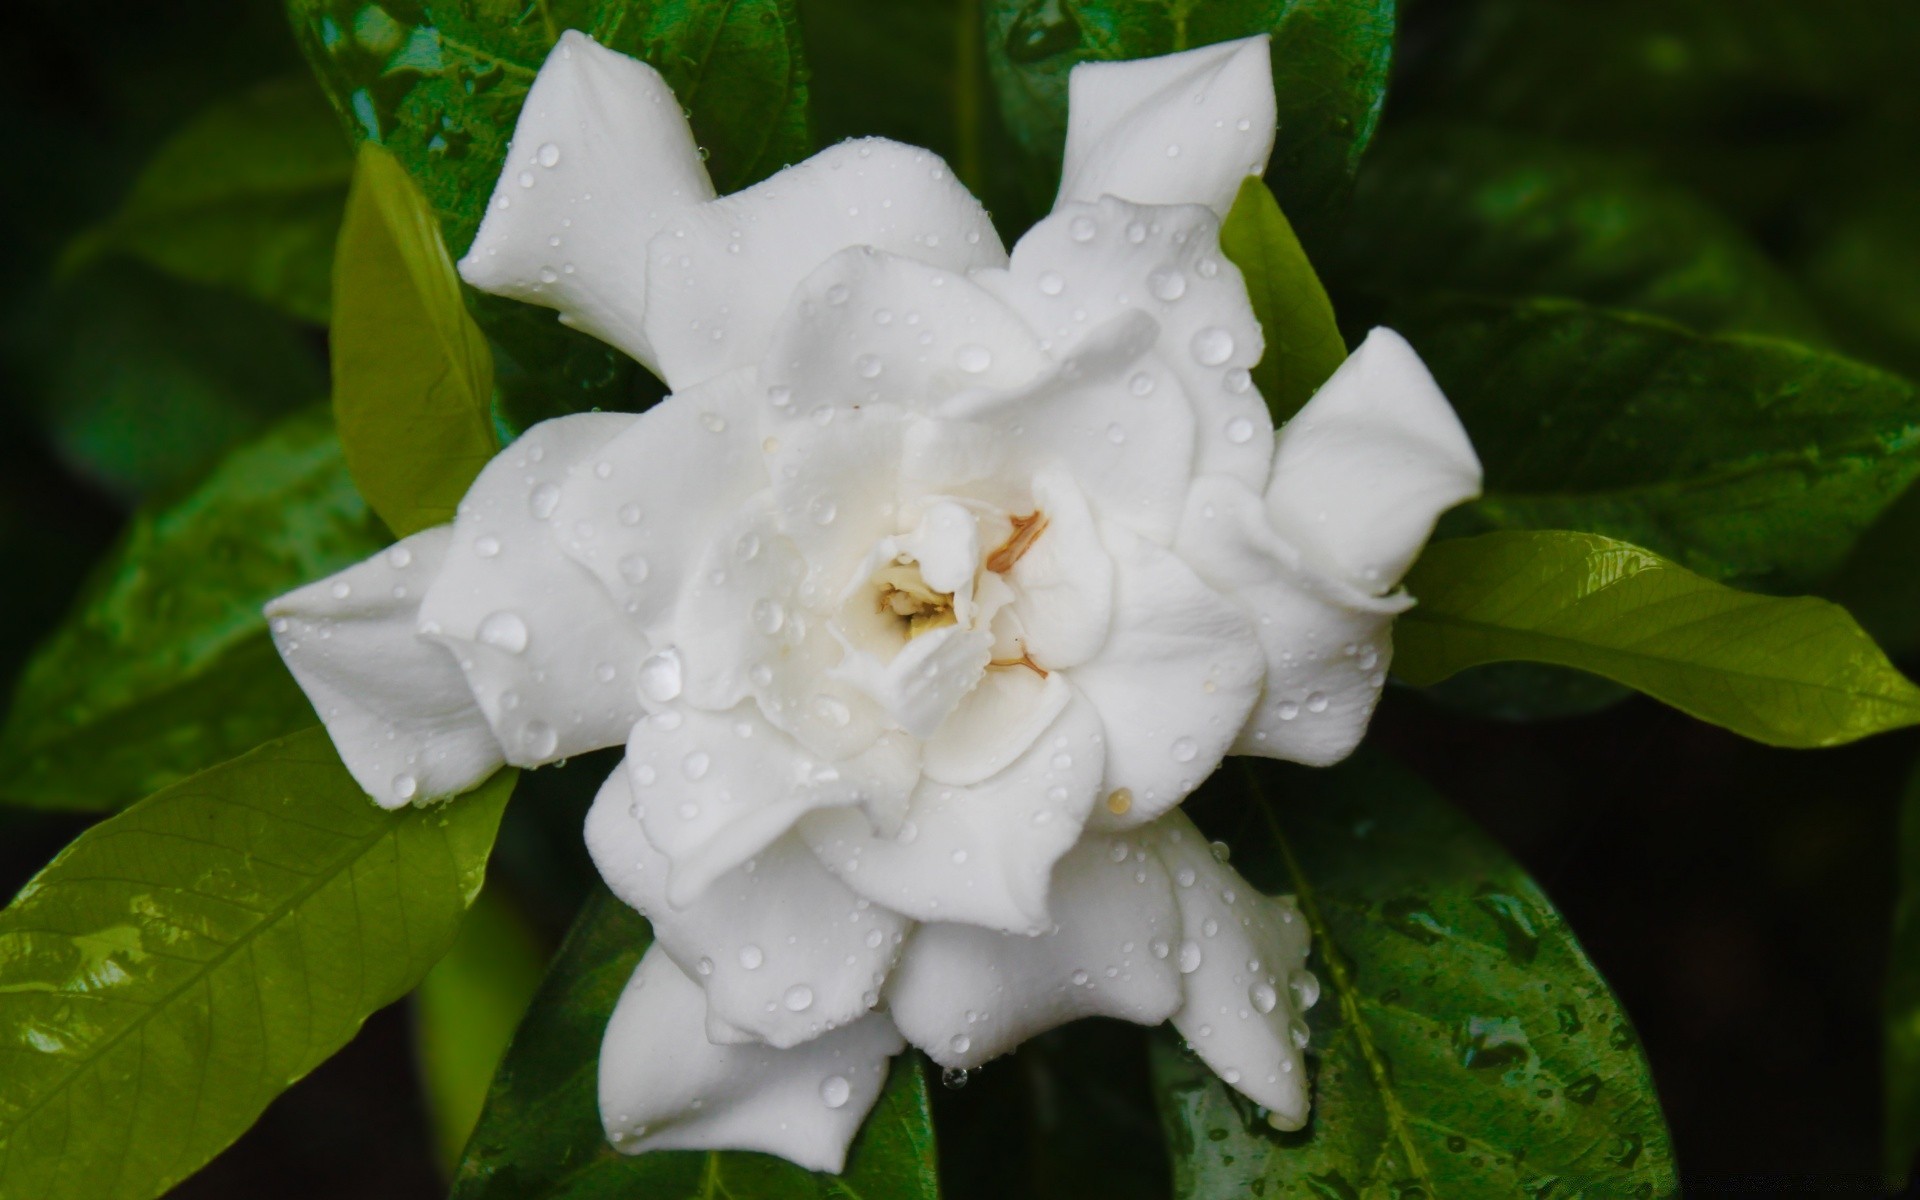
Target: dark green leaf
412, 376
540, 1136
1443, 208
466, 1009
1744, 458
1296, 318
247, 196
1329, 74
1788, 672
1864, 270
1901, 1067
182, 963
164, 667
144, 381
1464, 1046
442, 87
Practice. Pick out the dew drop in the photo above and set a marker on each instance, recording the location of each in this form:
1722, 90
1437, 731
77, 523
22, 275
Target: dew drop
539, 739
835, 1091
1212, 346
1305, 987
405, 786
823, 510
503, 630
549, 155
1189, 957
1167, 283
1263, 996
868, 365
1082, 229
973, 358
751, 958
798, 998
661, 677
1317, 702
1184, 750
1239, 431
486, 545
1141, 384
695, 764
768, 615
543, 500
1117, 433
1051, 284
634, 568
704, 966
961, 1043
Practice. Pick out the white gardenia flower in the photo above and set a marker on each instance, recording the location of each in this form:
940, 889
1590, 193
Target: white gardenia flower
938, 582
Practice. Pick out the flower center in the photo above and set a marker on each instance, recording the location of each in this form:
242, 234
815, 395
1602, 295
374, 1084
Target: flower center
903, 592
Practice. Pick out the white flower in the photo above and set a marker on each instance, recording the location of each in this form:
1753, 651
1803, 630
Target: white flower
936, 585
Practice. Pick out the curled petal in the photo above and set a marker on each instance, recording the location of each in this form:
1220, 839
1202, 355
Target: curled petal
833, 483
1242, 959
665, 1086
784, 951
544, 649
642, 511
1173, 684
994, 724
1178, 129
868, 327
719, 276
982, 854
1326, 643
600, 158
1090, 263
965, 994
396, 706
1063, 583
1364, 470
715, 789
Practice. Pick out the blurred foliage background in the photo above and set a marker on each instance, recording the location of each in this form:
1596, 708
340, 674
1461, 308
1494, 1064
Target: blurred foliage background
1738, 898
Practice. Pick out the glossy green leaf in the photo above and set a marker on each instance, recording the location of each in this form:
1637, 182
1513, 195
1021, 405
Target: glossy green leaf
1463, 1044
247, 196
412, 375
1296, 318
1788, 672
163, 667
466, 1010
182, 963
1745, 458
1470, 209
143, 381
540, 1136
1901, 1054
442, 86
1329, 75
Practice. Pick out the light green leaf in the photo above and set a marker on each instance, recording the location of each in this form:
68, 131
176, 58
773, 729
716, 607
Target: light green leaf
1901, 1054
1463, 1045
1788, 672
540, 1134
247, 196
1329, 75
182, 963
442, 85
1296, 318
412, 376
1475, 210
163, 667
466, 1010
1745, 458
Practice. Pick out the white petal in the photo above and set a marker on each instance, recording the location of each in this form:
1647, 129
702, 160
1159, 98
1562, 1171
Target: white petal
642, 512
836, 485
1179, 129
545, 649
1173, 684
1326, 643
664, 1086
396, 706
1242, 958
732, 612
715, 789
784, 950
1064, 580
965, 994
1088, 263
994, 724
720, 275
982, 854
868, 327
1364, 470
925, 679
600, 158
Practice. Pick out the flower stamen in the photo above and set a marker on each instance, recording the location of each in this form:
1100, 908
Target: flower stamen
1026, 531
1025, 660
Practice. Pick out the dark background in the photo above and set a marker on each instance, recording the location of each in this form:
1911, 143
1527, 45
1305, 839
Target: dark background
1737, 897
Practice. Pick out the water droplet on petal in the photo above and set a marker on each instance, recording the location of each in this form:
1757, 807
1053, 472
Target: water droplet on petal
405, 786
973, 358
1189, 957
798, 998
1305, 987
661, 677
695, 764
751, 957
486, 546
1051, 284
1082, 229
1167, 283
1184, 750
834, 1091
549, 155
543, 500
539, 739
503, 630
1317, 702
1212, 346
1239, 431
961, 1043
1263, 996
868, 365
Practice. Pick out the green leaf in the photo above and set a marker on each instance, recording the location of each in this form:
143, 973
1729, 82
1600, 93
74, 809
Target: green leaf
182, 963
1787, 672
1329, 75
1901, 1062
540, 1134
163, 667
466, 1009
1464, 1045
1468, 209
143, 381
1296, 318
1864, 269
442, 86
412, 376
1744, 458
247, 196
